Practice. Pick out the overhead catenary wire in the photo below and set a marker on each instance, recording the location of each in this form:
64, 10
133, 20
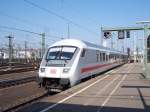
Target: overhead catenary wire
61, 17
23, 30
13, 28
35, 33
81, 14
16, 18
22, 20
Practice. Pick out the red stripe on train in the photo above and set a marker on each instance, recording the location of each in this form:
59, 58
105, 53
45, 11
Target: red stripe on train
87, 69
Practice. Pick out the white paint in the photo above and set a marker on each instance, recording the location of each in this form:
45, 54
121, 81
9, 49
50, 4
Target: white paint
113, 91
113, 71
109, 72
110, 95
119, 69
103, 89
63, 100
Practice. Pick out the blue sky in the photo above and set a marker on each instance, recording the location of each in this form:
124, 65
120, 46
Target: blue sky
89, 14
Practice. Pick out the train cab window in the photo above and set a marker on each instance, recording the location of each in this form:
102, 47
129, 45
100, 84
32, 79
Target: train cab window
83, 53
60, 53
67, 53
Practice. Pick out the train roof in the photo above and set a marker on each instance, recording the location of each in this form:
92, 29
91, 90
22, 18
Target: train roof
84, 44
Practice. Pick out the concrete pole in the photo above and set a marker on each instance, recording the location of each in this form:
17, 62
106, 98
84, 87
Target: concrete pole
117, 44
43, 44
134, 47
102, 34
25, 48
147, 75
112, 46
10, 49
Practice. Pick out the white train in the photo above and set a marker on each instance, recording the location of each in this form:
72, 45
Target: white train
68, 61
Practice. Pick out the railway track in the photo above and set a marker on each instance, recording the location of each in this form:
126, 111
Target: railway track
8, 83
15, 66
18, 96
16, 70
14, 79
20, 104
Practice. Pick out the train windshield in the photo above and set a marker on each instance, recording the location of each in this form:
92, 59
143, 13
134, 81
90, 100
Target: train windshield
60, 53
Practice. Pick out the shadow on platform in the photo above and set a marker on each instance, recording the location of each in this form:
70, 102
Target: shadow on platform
147, 108
79, 108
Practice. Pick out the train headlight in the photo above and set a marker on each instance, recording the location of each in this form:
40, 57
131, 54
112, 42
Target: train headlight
42, 69
66, 70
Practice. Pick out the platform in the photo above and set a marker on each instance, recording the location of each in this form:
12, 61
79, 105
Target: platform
120, 90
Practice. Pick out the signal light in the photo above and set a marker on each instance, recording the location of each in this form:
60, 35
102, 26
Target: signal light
128, 33
107, 35
121, 34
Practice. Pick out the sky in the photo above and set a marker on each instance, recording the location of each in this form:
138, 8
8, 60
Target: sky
83, 17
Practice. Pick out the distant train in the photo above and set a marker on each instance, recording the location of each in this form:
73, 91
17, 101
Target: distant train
68, 61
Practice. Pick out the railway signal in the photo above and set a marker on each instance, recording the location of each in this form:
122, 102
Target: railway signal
121, 31
128, 34
121, 34
107, 35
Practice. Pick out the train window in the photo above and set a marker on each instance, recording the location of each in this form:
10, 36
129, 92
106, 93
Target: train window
107, 57
114, 57
104, 58
60, 53
100, 57
67, 53
97, 56
83, 53
53, 53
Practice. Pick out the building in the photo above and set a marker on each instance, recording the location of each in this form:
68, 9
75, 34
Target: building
20, 54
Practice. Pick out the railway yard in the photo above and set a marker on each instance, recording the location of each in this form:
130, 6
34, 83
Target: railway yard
121, 89
16, 78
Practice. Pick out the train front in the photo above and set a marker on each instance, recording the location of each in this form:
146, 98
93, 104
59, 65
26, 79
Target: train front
55, 67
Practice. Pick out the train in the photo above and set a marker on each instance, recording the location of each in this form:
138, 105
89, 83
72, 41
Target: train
69, 61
